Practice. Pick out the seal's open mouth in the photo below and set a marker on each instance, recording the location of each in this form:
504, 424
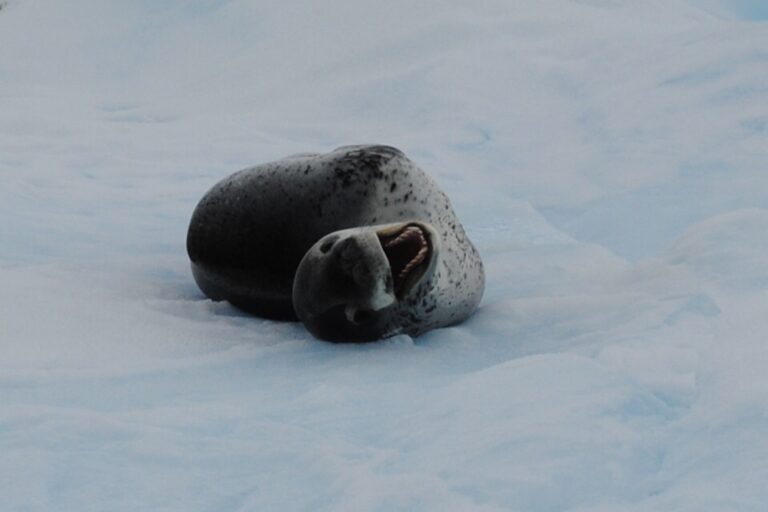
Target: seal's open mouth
409, 252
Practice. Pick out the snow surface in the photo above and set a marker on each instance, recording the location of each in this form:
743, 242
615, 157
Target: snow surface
607, 156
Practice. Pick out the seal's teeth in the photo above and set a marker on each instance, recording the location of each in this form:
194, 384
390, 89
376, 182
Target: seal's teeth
407, 233
420, 257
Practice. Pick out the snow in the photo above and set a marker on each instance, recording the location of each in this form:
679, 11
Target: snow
607, 157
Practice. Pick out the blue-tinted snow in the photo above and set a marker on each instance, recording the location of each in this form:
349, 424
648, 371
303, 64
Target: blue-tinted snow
748, 10
608, 158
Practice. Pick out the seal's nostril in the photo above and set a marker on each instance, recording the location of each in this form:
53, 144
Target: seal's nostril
327, 245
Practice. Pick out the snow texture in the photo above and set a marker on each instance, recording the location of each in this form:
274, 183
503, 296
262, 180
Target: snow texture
608, 157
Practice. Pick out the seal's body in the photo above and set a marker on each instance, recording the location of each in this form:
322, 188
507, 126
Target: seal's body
358, 243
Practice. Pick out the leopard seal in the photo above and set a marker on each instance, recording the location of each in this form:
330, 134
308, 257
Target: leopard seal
358, 243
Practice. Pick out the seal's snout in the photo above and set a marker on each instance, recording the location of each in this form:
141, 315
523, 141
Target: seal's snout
342, 284
348, 255
361, 270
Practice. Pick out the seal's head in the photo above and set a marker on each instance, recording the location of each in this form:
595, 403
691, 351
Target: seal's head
349, 284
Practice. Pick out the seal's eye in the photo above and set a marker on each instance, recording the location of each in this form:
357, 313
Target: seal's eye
327, 245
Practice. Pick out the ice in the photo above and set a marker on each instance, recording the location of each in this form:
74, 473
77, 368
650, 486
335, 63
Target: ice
607, 157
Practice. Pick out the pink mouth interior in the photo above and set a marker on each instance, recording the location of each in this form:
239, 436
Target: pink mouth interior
408, 253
